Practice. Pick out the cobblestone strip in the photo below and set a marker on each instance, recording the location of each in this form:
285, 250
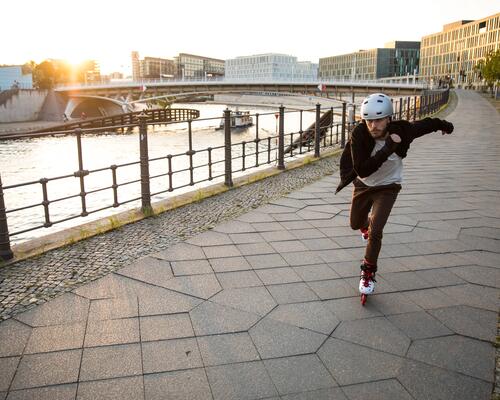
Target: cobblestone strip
36, 280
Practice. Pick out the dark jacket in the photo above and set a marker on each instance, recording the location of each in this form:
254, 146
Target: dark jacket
356, 159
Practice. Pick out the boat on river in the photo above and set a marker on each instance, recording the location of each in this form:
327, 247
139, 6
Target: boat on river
239, 120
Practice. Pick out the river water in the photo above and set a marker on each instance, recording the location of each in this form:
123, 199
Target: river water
49, 157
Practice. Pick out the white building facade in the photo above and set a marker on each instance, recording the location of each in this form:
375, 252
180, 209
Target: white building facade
270, 67
14, 76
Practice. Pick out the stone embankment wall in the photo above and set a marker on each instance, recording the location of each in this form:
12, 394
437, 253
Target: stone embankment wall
26, 105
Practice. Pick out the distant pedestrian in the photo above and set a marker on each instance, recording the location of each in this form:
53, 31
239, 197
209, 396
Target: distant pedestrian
65, 118
373, 160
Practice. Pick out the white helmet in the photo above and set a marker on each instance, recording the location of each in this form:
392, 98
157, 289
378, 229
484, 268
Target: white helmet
376, 106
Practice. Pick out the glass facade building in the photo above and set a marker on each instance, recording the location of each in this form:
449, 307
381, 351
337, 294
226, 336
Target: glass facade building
398, 58
270, 67
198, 67
452, 54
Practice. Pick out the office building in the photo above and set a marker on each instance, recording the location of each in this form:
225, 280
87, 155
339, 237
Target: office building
190, 66
152, 67
270, 67
396, 59
453, 53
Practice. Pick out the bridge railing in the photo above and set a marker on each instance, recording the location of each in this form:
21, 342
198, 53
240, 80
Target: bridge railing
155, 177
151, 82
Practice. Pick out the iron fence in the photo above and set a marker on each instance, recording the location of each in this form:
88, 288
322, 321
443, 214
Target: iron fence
330, 128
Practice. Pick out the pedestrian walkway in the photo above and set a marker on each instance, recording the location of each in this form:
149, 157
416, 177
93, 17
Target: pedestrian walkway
265, 306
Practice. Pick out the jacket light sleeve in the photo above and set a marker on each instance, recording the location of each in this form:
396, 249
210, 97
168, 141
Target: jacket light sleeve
363, 163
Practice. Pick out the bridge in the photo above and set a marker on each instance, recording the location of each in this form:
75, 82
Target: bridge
101, 100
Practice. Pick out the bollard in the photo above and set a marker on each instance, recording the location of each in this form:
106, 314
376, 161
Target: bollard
342, 137
144, 161
5, 250
281, 139
317, 131
228, 181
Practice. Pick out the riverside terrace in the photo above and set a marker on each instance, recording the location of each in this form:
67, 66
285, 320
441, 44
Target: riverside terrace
167, 173
264, 305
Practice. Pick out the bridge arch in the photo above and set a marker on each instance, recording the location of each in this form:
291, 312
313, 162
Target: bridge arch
95, 106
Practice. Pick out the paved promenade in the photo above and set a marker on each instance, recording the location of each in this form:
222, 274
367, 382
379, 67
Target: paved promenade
265, 306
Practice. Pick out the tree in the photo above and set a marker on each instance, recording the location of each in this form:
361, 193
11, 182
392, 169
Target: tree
49, 73
489, 68
44, 75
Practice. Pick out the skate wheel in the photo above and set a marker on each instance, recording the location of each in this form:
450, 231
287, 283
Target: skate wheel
363, 299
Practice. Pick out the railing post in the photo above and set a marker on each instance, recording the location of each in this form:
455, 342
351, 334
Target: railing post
5, 250
281, 139
414, 108
227, 147
317, 131
342, 136
81, 172
144, 160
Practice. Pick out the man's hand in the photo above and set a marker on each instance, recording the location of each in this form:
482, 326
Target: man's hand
446, 127
392, 142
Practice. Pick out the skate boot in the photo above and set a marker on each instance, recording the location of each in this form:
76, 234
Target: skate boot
364, 235
367, 280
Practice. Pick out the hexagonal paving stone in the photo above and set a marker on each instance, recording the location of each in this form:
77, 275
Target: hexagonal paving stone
479, 275
381, 390
202, 286
227, 349
148, 269
469, 321
155, 300
210, 238
275, 339
474, 296
181, 252
426, 382
377, 333
350, 363
314, 316
457, 353
210, 318
256, 300
419, 325
64, 309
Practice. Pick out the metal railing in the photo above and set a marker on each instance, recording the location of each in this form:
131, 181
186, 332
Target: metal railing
200, 165
396, 82
113, 122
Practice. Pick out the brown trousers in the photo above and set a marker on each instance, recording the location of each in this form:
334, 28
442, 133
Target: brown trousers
378, 199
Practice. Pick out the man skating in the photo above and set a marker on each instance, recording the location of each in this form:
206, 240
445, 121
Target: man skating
373, 161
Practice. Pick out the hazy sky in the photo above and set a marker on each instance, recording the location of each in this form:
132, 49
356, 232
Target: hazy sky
108, 30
